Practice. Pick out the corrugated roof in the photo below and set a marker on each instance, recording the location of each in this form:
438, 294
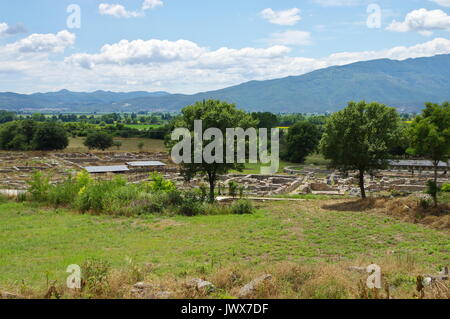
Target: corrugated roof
145, 163
107, 169
423, 163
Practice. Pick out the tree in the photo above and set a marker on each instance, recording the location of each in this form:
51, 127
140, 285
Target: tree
266, 119
6, 116
99, 141
50, 136
359, 138
301, 140
430, 137
213, 114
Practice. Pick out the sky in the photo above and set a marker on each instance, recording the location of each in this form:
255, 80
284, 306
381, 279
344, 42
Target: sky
193, 46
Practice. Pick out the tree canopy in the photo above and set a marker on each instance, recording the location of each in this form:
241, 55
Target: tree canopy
301, 140
429, 136
359, 138
30, 135
213, 114
99, 141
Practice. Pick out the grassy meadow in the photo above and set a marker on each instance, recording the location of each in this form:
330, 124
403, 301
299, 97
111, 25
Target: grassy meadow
128, 145
37, 244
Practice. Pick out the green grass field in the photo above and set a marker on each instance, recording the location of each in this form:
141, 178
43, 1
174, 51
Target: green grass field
37, 243
128, 145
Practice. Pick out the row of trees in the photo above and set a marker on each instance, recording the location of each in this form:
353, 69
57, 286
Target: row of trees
30, 135
359, 138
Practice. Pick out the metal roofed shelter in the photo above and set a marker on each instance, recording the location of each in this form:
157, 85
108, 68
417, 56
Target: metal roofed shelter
146, 164
106, 169
418, 165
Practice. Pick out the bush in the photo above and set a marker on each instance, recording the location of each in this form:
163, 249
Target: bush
446, 188
95, 276
39, 187
64, 193
242, 207
96, 196
160, 184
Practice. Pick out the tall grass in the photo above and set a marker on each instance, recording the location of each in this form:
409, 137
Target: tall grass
117, 197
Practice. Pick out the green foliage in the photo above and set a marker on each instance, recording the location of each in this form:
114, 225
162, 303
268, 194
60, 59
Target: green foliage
39, 187
242, 207
99, 141
266, 119
432, 189
214, 114
430, 137
160, 184
446, 188
95, 276
359, 137
50, 136
6, 116
233, 188
301, 140
31, 135
64, 193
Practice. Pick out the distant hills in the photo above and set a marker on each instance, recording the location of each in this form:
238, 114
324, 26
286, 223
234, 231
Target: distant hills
406, 85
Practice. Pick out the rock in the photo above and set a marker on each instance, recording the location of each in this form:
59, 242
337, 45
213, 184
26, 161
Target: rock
201, 284
142, 285
304, 189
142, 290
8, 295
249, 289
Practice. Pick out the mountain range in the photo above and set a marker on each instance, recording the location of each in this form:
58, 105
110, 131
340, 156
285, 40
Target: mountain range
406, 84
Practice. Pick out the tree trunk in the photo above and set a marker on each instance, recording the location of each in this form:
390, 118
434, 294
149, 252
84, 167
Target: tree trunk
212, 187
361, 184
435, 183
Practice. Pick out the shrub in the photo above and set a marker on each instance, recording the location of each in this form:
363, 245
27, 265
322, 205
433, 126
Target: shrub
95, 276
64, 193
242, 207
39, 187
446, 188
160, 184
232, 188
96, 196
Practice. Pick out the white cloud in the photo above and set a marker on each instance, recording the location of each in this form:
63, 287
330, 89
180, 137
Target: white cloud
175, 66
140, 52
44, 43
422, 21
284, 17
117, 10
150, 4
444, 3
290, 37
6, 30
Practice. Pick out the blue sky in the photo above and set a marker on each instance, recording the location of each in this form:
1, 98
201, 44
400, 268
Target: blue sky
191, 46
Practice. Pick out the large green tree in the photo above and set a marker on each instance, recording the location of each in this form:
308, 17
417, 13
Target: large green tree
430, 137
213, 114
50, 136
99, 141
359, 138
301, 140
